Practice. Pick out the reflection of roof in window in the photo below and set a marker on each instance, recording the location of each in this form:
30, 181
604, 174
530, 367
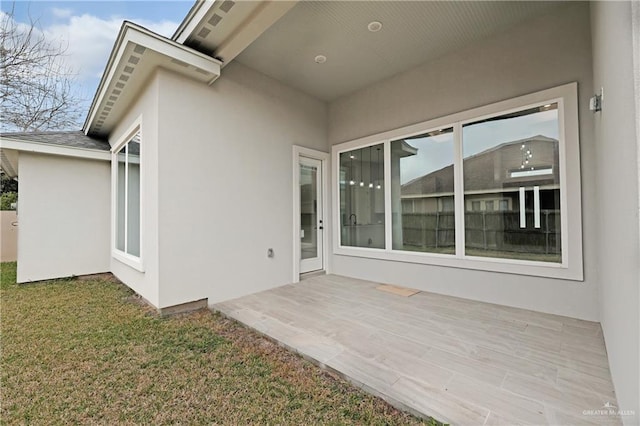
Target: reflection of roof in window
492, 169
134, 144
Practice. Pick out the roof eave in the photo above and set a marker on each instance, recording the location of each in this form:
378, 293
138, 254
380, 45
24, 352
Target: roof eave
190, 62
51, 149
197, 12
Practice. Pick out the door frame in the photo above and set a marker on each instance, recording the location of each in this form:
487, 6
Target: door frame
324, 158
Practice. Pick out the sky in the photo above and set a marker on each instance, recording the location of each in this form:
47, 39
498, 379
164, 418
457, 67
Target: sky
89, 29
436, 152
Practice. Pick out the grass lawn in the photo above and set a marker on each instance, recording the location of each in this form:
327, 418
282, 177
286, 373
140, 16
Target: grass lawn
85, 351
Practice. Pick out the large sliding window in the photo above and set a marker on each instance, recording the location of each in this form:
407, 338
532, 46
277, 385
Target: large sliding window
127, 238
491, 188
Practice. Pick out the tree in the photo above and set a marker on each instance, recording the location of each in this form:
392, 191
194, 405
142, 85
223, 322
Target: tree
35, 85
8, 191
7, 184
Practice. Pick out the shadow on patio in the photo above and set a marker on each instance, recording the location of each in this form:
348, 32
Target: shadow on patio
456, 360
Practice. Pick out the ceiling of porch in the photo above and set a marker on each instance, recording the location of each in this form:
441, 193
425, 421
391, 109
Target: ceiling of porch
413, 32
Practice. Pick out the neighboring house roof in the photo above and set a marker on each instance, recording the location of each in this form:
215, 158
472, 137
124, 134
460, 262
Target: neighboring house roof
73, 139
489, 170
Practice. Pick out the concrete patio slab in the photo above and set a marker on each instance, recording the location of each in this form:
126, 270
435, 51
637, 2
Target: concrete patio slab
456, 360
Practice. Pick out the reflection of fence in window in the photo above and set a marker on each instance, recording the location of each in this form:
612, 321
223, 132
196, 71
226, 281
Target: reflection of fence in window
486, 230
501, 231
426, 231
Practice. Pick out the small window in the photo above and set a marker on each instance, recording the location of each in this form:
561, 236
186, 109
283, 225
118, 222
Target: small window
446, 204
128, 197
488, 206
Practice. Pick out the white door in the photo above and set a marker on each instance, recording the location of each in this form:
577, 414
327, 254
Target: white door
311, 220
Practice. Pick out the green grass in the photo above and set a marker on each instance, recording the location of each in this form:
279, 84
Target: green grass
85, 351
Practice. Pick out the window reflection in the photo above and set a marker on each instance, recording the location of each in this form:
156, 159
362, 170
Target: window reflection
362, 197
512, 161
422, 189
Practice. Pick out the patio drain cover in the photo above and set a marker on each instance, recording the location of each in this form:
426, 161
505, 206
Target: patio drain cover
400, 291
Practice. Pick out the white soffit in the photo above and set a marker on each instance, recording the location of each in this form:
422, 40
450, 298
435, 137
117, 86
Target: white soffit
413, 32
224, 28
136, 54
9, 162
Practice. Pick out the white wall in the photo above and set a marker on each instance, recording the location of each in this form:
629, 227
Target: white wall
538, 54
226, 178
144, 109
617, 187
64, 214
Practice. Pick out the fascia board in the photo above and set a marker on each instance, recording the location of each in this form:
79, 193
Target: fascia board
174, 50
65, 151
197, 13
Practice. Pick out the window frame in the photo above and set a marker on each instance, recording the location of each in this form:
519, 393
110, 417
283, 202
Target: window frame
571, 265
136, 262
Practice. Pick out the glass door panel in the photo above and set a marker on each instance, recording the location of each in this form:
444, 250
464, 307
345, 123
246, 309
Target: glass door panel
311, 225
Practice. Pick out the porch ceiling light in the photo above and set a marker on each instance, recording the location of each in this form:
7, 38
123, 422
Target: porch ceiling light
374, 26
320, 59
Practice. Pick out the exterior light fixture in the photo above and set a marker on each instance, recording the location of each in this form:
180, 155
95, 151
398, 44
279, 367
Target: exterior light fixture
320, 59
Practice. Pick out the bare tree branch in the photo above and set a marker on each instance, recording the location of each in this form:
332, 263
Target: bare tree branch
35, 85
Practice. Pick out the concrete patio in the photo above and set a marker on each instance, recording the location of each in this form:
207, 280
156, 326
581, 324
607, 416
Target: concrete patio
456, 360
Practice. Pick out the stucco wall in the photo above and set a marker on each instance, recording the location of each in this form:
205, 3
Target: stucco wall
617, 187
144, 109
226, 178
64, 215
536, 55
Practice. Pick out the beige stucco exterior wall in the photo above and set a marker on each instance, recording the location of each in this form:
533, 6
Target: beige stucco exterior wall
542, 53
9, 236
64, 217
226, 175
144, 110
617, 188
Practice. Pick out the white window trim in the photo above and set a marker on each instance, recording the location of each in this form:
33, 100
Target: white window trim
135, 262
571, 267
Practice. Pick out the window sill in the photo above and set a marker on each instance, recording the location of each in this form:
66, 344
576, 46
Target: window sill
129, 260
508, 266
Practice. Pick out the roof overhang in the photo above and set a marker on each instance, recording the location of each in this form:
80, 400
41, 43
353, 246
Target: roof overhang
45, 148
224, 28
136, 54
9, 162
10, 149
